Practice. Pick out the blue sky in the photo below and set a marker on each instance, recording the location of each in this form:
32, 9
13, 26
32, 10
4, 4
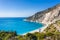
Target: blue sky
24, 8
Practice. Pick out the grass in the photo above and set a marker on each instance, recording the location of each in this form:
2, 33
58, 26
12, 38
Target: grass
51, 28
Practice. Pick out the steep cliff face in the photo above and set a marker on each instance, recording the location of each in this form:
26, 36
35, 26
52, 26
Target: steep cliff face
47, 15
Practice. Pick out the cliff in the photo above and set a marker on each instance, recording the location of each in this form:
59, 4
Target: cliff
46, 16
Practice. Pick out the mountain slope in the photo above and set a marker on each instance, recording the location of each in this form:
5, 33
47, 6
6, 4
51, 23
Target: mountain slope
46, 16
55, 27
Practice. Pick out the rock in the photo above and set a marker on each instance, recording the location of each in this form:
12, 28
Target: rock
46, 16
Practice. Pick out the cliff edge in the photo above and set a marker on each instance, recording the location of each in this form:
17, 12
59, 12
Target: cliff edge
46, 16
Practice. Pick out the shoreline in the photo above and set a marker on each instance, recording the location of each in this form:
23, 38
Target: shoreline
45, 25
36, 30
39, 29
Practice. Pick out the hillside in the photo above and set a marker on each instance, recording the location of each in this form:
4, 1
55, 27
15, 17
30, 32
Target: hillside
46, 16
54, 27
30, 36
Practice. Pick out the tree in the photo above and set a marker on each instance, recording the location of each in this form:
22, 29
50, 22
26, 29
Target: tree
30, 36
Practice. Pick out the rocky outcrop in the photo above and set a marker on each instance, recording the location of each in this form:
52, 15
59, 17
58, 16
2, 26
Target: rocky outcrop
46, 16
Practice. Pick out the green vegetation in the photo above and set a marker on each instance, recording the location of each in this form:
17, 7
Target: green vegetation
55, 27
29, 36
58, 22
51, 28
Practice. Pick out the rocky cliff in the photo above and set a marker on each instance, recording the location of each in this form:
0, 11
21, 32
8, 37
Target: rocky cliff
47, 15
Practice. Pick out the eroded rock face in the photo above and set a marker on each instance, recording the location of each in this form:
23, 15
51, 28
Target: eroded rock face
47, 15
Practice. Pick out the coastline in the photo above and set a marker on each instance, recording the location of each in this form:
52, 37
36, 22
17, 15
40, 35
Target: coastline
36, 30
39, 29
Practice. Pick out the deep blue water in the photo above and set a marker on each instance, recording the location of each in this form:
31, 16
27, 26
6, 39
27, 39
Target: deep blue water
18, 25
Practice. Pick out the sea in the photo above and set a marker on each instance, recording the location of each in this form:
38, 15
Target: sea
18, 24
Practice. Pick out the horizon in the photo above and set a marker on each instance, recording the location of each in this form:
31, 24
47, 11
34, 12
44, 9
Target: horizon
24, 8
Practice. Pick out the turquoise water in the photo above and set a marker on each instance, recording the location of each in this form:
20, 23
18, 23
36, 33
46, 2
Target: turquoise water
18, 25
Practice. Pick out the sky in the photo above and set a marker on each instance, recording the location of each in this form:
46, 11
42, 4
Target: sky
24, 8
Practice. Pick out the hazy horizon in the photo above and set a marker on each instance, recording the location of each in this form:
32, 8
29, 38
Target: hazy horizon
24, 8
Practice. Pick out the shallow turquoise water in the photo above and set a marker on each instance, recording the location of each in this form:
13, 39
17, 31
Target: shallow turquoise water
18, 25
